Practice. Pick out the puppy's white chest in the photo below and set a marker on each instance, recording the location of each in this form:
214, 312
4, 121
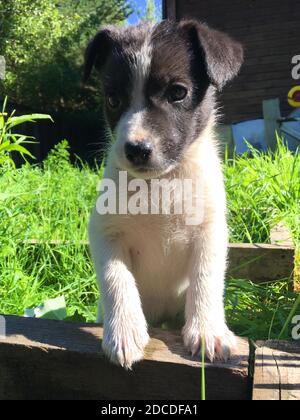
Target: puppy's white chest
159, 254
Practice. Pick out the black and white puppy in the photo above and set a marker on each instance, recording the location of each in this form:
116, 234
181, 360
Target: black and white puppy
160, 83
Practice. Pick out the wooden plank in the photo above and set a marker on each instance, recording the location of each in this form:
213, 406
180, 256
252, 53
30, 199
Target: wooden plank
41, 359
266, 381
266, 49
169, 7
252, 95
277, 371
225, 135
232, 17
271, 113
261, 263
256, 262
265, 84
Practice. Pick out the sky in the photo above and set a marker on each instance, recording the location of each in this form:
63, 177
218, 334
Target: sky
141, 5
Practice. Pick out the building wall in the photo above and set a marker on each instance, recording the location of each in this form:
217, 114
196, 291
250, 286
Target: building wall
270, 33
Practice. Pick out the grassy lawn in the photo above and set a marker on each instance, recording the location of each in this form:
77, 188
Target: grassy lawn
54, 202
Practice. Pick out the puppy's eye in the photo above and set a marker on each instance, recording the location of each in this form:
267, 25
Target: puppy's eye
113, 101
177, 93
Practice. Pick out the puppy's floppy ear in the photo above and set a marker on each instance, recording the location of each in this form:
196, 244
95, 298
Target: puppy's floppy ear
223, 55
97, 51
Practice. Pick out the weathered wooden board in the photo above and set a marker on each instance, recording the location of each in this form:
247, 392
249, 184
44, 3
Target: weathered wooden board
277, 371
42, 359
225, 136
169, 9
259, 263
271, 112
255, 24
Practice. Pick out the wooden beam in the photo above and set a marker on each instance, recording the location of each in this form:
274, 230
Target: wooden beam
259, 263
169, 8
272, 115
225, 134
42, 359
277, 371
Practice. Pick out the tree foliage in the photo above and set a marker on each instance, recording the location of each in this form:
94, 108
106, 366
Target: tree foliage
150, 11
43, 42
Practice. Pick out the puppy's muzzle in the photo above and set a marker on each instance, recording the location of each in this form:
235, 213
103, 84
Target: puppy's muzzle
138, 153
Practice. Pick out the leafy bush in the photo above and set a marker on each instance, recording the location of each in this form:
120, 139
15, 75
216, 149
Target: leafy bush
59, 157
12, 142
43, 43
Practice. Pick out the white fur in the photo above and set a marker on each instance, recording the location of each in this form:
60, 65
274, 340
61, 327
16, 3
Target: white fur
152, 266
142, 60
130, 127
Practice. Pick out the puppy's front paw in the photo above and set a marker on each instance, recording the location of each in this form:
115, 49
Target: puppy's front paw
219, 344
124, 344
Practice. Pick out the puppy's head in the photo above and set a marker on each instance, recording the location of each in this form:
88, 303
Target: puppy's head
159, 83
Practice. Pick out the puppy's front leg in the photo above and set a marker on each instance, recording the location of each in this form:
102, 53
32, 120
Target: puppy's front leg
205, 314
125, 328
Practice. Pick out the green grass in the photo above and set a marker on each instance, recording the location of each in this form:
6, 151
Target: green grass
50, 203
54, 203
263, 191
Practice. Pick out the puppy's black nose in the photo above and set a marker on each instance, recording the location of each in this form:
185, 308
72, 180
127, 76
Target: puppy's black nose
138, 152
